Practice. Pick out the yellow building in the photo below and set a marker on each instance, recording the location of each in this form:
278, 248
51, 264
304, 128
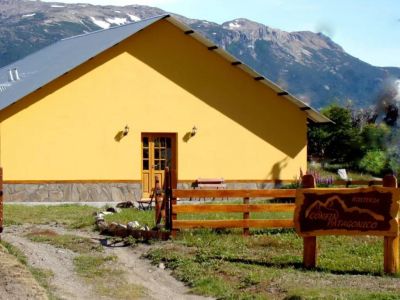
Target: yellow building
96, 117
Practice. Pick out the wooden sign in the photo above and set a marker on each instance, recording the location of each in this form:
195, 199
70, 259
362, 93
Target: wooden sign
365, 211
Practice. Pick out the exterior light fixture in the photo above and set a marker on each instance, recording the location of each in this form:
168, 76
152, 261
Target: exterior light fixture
126, 130
194, 131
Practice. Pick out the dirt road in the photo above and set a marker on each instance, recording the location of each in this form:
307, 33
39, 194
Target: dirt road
16, 282
155, 282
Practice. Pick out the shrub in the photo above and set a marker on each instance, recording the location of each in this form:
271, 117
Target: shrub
374, 162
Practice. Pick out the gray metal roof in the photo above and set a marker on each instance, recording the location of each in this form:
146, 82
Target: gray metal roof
47, 64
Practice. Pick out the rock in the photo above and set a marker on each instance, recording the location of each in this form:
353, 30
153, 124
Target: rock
161, 266
103, 226
126, 204
111, 209
106, 213
133, 225
99, 217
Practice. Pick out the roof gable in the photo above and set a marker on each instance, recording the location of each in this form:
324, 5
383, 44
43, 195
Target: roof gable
49, 63
46, 65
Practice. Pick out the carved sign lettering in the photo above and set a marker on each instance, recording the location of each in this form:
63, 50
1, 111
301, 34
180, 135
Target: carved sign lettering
368, 211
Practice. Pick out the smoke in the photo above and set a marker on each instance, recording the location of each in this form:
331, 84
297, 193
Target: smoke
325, 28
387, 111
387, 107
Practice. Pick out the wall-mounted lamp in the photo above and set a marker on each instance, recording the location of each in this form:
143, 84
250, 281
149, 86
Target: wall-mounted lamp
126, 130
194, 131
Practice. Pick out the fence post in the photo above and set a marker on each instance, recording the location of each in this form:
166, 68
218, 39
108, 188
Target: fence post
169, 203
156, 195
1, 200
166, 196
309, 243
246, 216
173, 217
391, 243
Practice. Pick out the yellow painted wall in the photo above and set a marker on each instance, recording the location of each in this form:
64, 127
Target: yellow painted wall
159, 80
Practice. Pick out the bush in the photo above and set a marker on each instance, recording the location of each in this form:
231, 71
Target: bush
374, 162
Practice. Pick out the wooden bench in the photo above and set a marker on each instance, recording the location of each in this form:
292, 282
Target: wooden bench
210, 184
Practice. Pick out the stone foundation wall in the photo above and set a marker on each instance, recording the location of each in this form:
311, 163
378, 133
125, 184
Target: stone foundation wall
94, 192
72, 192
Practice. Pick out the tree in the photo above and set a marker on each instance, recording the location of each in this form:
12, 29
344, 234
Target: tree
339, 142
374, 137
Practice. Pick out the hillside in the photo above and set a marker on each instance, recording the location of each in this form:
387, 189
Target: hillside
310, 65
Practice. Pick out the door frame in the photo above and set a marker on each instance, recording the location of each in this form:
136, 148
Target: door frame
174, 149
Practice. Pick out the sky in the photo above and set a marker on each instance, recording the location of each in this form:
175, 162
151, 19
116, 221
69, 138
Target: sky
366, 29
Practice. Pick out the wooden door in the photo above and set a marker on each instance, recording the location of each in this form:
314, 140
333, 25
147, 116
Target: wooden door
158, 152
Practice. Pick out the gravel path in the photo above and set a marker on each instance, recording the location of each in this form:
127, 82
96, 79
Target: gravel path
156, 282
16, 282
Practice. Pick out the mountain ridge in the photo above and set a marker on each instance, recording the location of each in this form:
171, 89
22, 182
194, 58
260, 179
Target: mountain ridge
309, 65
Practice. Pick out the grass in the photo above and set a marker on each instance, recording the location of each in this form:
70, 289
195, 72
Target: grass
65, 241
70, 216
265, 265
268, 265
331, 170
132, 214
42, 276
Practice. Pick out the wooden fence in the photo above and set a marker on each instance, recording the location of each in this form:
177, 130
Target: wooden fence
169, 208
246, 208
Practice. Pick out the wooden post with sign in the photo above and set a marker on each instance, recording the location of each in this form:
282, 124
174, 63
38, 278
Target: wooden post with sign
391, 243
349, 211
309, 242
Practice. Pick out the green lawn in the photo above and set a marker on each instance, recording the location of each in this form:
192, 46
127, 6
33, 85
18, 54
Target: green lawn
70, 216
225, 265
268, 265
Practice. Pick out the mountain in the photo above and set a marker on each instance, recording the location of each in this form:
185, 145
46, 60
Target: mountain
309, 65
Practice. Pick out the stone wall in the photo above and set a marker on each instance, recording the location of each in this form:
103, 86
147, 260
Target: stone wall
72, 192
94, 192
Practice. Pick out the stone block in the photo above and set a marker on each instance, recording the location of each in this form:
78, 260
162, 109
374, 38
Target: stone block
117, 195
56, 195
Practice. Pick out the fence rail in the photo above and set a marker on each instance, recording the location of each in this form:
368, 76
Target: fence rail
190, 224
357, 182
246, 208
276, 193
232, 208
170, 206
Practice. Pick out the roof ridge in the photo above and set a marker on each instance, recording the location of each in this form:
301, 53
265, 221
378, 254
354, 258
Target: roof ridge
80, 35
